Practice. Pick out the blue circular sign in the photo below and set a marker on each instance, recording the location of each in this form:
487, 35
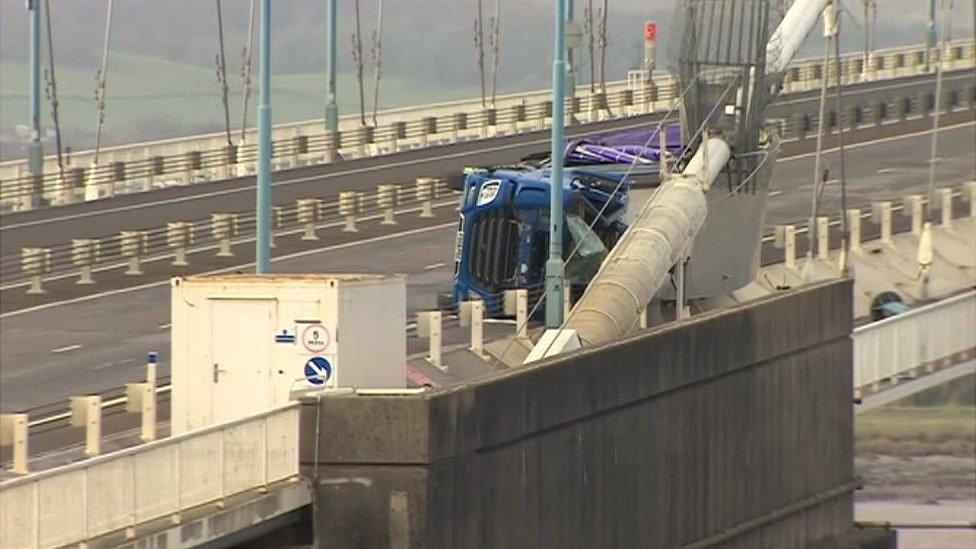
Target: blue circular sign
318, 370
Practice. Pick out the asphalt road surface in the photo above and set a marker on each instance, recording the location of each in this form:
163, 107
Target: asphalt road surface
153, 209
91, 343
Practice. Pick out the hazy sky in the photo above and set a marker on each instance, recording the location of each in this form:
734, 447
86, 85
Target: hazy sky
162, 65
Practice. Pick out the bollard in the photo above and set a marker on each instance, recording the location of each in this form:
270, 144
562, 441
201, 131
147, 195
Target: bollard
134, 245
84, 254
36, 262
140, 398
348, 202
224, 227
278, 219
151, 360
425, 195
945, 201
881, 215
785, 238
854, 229
309, 210
13, 433
429, 326
522, 314
86, 411
969, 195
179, 235
474, 313
823, 238
912, 207
386, 196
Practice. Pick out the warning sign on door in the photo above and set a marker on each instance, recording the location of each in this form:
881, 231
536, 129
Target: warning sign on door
316, 338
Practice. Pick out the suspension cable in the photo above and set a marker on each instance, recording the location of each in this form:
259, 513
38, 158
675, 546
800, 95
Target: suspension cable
52, 88
102, 81
246, 70
222, 72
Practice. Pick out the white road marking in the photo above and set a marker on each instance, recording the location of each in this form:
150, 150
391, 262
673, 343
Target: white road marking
66, 349
888, 139
286, 257
164, 326
433, 266
775, 193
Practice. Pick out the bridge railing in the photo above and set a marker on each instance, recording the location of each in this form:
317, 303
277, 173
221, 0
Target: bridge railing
924, 337
146, 166
157, 480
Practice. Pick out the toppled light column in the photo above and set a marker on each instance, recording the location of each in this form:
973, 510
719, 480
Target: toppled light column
639, 263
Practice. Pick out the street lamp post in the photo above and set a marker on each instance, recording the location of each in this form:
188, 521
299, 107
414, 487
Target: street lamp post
35, 151
555, 266
331, 109
263, 207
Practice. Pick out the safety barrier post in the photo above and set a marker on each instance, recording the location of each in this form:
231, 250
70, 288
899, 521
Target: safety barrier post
309, 210
224, 227
784, 237
193, 163
429, 326
13, 433
823, 238
522, 313
179, 236
86, 411
945, 196
152, 359
912, 207
348, 204
460, 123
228, 161
854, 229
398, 131
140, 398
429, 128
333, 141
84, 254
592, 108
881, 215
969, 195
516, 111
472, 314
134, 245
386, 196
36, 262
425, 195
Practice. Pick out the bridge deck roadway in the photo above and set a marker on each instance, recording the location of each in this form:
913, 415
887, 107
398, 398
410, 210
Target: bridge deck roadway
92, 343
154, 209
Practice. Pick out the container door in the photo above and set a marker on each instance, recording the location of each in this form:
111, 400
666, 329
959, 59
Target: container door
241, 336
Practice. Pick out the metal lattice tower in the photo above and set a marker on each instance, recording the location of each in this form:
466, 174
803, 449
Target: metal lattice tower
719, 56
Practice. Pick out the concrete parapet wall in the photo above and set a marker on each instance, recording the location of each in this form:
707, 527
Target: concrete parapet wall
734, 428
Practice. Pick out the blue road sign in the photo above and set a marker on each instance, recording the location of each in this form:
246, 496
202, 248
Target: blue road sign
318, 370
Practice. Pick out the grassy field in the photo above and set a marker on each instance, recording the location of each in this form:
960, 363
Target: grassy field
940, 421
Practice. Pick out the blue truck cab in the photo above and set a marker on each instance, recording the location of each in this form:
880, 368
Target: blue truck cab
502, 239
